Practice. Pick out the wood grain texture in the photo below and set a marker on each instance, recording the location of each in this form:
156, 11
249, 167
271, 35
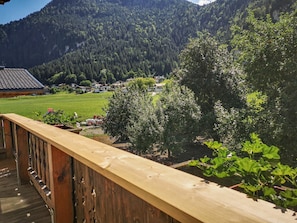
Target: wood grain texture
97, 199
8, 139
61, 186
20, 203
22, 153
184, 197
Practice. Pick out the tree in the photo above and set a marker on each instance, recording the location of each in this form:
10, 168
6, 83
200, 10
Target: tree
122, 109
179, 116
169, 125
267, 51
86, 83
143, 83
144, 128
70, 78
81, 77
207, 69
234, 125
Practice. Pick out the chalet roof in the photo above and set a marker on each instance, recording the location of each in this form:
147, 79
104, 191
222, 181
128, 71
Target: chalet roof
17, 79
3, 1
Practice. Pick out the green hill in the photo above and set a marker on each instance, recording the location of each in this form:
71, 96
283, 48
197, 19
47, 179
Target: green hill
108, 40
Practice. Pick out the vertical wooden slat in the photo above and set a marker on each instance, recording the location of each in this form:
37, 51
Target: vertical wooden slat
34, 153
22, 153
42, 161
61, 185
46, 177
101, 200
1, 134
8, 139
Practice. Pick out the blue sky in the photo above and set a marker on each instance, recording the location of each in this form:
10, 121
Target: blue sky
18, 9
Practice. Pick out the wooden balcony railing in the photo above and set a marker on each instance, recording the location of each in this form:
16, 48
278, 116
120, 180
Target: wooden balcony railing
82, 180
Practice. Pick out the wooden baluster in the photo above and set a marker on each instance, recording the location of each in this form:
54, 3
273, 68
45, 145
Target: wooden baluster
41, 160
22, 154
1, 134
2, 148
46, 169
38, 163
34, 154
61, 185
8, 138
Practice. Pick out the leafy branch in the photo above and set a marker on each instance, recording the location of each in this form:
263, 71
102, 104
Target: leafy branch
258, 168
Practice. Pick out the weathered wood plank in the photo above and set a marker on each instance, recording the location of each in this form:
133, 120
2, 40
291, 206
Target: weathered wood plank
1, 134
184, 197
8, 138
61, 186
20, 203
101, 200
46, 165
22, 153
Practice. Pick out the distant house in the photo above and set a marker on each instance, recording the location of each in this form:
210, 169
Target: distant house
18, 81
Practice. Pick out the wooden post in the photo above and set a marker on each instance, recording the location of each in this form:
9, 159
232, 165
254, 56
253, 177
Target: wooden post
8, 145
61, 185
2, 148
1, 135
22, 154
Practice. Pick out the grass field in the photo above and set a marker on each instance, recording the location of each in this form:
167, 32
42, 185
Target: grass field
85, 105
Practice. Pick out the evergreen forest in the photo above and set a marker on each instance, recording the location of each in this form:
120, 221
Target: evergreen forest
108, 40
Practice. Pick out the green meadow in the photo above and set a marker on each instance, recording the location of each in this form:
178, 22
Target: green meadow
85, 105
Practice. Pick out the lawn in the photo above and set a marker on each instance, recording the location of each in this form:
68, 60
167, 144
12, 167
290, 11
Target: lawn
85, 105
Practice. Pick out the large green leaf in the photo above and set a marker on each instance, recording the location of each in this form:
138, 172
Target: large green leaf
248, 165
215, 145
255, 146
217, 162
284, 170
222, 174
290, 198
268, 191
271, 152
250, 188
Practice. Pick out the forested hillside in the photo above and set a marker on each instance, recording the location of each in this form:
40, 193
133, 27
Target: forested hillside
108, 40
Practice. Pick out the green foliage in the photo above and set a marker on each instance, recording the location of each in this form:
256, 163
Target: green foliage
256, 100
144, 129
179, 116
169, 124
258, 170
70, 78
267, 43
122, 108
266, 50
142, 83
57, 117
142, 36
86, 83
207, 69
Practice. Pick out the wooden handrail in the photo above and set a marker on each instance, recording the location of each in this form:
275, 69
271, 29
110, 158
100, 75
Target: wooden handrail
184, 197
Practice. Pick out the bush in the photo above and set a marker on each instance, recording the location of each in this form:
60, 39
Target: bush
258, 168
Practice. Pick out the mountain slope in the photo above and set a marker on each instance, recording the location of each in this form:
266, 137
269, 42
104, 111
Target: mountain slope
107, 40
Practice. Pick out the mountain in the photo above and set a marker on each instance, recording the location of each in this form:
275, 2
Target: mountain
108, 40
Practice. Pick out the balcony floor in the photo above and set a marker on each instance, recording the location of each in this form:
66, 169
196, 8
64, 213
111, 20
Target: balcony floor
19, 203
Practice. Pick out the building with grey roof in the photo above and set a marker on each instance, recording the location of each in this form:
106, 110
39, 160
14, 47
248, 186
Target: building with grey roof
18, 81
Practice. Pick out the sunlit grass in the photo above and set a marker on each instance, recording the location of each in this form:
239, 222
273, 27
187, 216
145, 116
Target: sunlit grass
85, 105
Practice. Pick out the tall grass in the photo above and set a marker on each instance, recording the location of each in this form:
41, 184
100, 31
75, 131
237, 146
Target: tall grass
85, 105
